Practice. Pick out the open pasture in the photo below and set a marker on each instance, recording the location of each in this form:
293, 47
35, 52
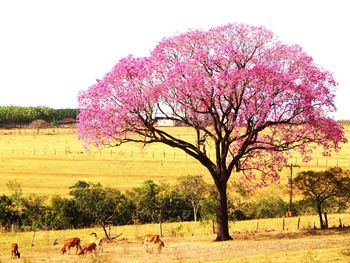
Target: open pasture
53, 160
192, 242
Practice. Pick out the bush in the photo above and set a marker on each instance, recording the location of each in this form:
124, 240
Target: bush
268, 207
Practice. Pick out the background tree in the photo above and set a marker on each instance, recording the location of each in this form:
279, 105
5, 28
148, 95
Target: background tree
38, 125
195, 189
324, 187
248, 96
34, 211
173, 204
64, 213
145, 202
8, 213
267, 207
102, 206
60, 114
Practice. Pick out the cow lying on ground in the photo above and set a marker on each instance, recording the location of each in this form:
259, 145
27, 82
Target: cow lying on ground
69, 243
152, 241
89, 247
14, 251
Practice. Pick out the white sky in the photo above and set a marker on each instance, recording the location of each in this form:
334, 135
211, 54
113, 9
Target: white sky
50, 50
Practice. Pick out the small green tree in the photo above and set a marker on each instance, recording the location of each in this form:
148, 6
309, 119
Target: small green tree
324, 187
173, 205
102, 206
64, 213
196, 191
34, 211
270, 207
144, 199
8, 215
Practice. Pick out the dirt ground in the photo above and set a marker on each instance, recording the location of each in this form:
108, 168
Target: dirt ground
307, 246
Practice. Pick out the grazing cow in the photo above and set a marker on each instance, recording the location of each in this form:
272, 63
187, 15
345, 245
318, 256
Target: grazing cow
14, 251
69, 243
89, 247
159, 246
98, 241
100, 244
152, 241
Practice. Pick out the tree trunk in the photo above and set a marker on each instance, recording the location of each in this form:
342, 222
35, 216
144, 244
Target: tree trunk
195, 211
105, 231
319, 211
221, 213
326, 221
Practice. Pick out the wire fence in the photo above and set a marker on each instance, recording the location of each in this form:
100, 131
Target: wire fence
69, 151
35, 132
115, 153
305, 222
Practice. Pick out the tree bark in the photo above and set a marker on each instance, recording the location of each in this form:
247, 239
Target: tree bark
195, 210
105, 231
326, 221
319, 211
222, 230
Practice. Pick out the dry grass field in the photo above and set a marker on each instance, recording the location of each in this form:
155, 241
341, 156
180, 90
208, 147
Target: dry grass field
51, 161
192, 242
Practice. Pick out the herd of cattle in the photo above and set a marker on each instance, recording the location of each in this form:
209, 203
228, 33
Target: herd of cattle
150, 243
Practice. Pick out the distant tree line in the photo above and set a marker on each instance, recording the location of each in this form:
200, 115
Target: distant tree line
191, 198
16, 115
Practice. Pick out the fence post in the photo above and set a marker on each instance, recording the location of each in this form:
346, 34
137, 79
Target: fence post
257, 225
283, 224
298, 222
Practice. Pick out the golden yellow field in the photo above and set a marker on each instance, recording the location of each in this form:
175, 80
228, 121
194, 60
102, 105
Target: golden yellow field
192, 242
51, 161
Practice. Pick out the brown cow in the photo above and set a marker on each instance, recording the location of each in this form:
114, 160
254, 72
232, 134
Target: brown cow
89, 247
69, 243
159, 246
155, 241
100, 244
14, 251
98, 241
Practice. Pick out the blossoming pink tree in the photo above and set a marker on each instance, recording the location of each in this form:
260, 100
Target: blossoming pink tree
251, 97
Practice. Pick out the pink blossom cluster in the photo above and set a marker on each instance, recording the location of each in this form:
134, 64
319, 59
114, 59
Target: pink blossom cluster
253, 96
